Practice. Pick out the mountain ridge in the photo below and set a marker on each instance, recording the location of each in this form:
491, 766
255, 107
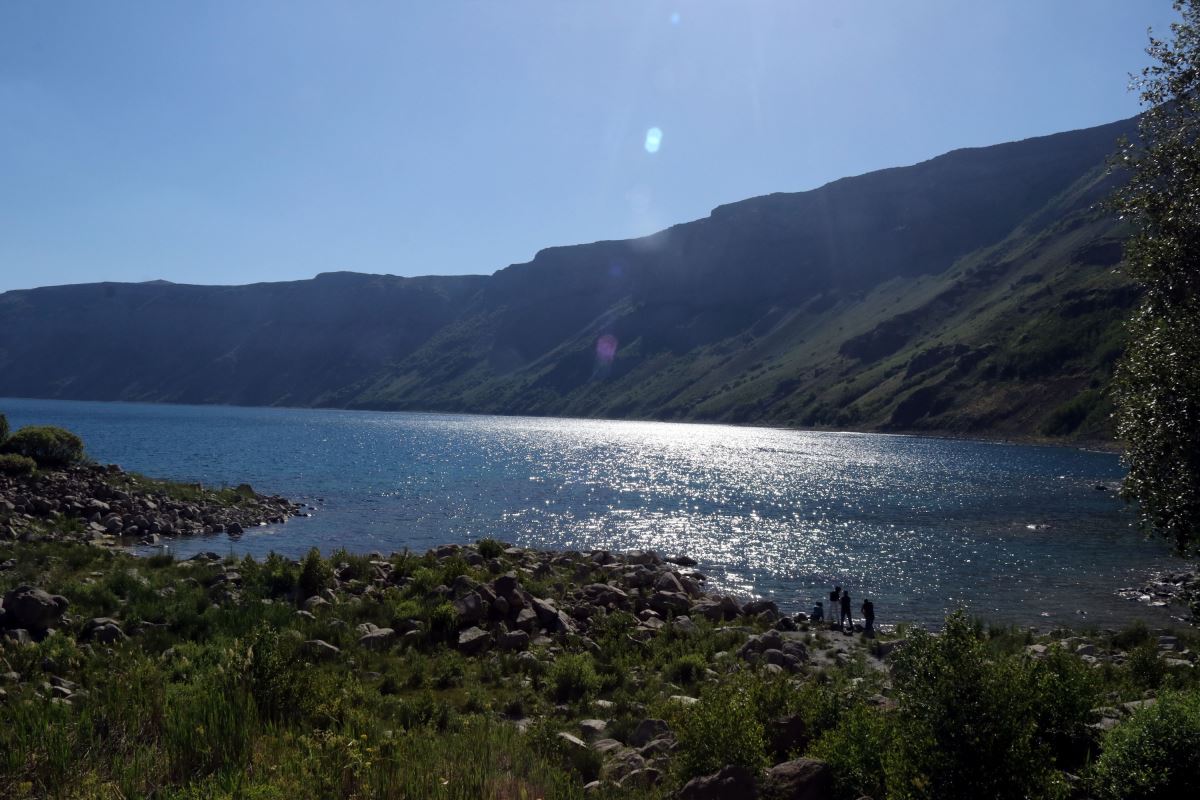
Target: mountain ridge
968, 294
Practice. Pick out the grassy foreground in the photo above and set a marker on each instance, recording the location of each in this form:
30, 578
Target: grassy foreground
267, 679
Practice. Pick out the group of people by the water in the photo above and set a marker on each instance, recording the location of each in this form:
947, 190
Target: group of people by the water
839, 607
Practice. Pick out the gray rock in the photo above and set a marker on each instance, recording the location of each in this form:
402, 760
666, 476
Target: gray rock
104, 630
759, 606
319, 648
378, 639
802, 779
32, 608
620, 764
731, 783
716, 609
504, 585
470, 608
474, 640
668, 582
602, 594
547, 612
17, 636
657, 747
571, 740
605, 746
513, 640
643, 557
642, 778
665, 603
315, 602
648, 730
592, 728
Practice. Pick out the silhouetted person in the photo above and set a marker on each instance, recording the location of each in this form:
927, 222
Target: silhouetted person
845, 617
868, 612
818, 612
834, 597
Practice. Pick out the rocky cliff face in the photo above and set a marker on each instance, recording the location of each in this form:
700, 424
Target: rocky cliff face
971, 293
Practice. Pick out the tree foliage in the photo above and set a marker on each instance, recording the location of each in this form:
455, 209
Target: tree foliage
967, 724
1157, 386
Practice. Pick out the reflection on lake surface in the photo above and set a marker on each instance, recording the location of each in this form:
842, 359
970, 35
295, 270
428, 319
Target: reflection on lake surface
1017, 533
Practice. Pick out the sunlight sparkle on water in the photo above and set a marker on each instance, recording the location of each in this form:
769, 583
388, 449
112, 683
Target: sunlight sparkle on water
919, 525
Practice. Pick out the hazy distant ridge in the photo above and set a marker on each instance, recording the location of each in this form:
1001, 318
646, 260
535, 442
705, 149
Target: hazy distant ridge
970, 293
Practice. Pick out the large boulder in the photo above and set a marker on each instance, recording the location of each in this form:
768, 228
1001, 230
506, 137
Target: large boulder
802, 779
668, 582
759, 606
731, 782
601, 594
474, 640
470, 608
377, 638
104, 630
513, 640
622, 763
647, 730
675, 603
32, 608
320, 649
716, 609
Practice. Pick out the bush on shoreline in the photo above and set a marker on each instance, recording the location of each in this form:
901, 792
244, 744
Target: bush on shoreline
1153, 755
16, 465
48, 445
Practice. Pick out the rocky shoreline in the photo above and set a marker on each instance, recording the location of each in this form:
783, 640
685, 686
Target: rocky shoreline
105, 505
537, 607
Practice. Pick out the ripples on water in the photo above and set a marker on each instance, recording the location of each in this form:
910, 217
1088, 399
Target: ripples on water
919, 525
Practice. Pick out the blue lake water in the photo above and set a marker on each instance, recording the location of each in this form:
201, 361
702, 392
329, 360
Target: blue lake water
1015, 533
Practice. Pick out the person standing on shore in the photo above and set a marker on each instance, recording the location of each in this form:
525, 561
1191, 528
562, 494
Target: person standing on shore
834, 598
818, 613
845, 616
868, 612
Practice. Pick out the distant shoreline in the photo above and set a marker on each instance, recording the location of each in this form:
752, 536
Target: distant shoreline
1089, 445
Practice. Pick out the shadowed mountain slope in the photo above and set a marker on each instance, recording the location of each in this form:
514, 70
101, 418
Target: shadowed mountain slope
972, 293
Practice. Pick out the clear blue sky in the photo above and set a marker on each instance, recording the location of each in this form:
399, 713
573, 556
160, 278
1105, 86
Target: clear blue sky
234, 142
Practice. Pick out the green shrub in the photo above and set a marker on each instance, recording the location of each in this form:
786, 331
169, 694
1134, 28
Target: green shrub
1146, 669
490, 548
721, 729
443, 622
1153, 755
1131, 635
3, 428
1067, 418
1066, 689
573, 677
47, 445
686, 669
13, 464
965, 724
278, 574
424, 581
315, 573
276, 676
854, 750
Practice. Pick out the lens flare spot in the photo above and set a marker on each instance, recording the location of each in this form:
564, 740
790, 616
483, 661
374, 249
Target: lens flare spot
653, 140
675, 17
606, 348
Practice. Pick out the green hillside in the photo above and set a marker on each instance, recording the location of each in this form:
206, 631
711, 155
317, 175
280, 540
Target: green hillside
971, 294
